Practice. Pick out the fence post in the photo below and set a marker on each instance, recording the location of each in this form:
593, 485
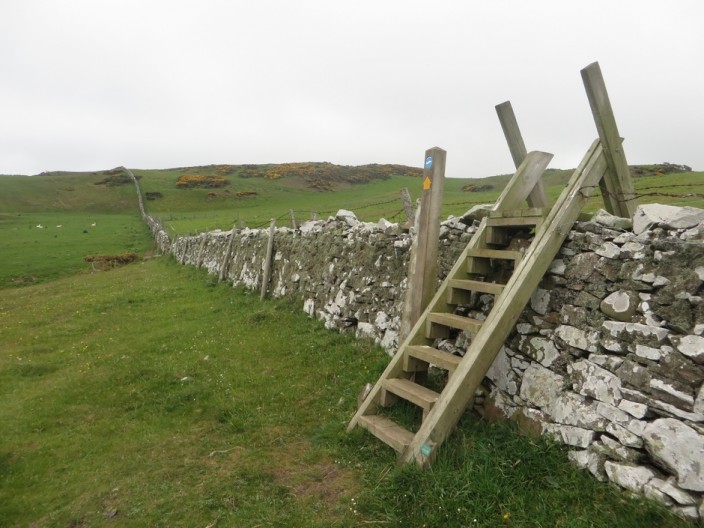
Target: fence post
537, 197
228, 253
293, 219
616, 185
267, 262
407, 206
199, 260
423, 269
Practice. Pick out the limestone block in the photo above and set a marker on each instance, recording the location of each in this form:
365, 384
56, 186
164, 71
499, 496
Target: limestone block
591, 460
615, 450
558, 267
608, 250
606, 219
572, 409
678, 448
669, 488
612, 413
628, 476
365, 330
624, 436
668, 392
610, 363
699, 401
540, 386
630, 331
620, 305
540, 300
589, 379
570, 435
646, 352
540, 349
637, 410
668, 216
582, 339
501, 374
691, 346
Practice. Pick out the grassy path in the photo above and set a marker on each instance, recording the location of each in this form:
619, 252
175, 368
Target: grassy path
152, 396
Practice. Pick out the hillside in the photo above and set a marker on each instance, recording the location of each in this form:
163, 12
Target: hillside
192, 199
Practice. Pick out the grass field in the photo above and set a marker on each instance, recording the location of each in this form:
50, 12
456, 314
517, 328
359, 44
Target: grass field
193, 210
151, 395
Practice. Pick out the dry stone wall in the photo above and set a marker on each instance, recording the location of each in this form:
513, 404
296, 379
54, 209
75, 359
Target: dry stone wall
608, 357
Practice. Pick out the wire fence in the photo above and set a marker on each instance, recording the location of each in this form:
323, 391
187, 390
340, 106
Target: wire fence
397, 213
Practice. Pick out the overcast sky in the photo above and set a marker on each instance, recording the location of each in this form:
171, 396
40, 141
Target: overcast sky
93, 84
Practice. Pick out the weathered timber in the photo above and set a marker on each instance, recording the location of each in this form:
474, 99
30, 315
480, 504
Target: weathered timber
267, 263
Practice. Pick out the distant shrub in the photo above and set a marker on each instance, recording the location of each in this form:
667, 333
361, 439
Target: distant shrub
113, 179
198, 180
471, 187
153, 195
105, 262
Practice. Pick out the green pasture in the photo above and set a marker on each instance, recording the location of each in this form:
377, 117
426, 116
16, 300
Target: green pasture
151, 395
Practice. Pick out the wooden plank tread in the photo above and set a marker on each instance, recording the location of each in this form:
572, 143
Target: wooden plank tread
455, 321
503, 254
514, 221
387, 431
477, 286
432, 355
531, 211
414, 393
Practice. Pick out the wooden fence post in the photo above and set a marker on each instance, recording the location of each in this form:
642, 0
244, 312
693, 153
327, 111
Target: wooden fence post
267, 262
423, 271
228, 254
617, 184
293, 219
408, 206
199, 260
537, 197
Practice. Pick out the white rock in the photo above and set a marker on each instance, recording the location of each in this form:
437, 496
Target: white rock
540, 300
309, 307
616, 328
692, 346
611, 413
572, 409
606, 219
540, 386
700, 272
589, 460
637, 410
593, 381
620, 305
647, 352
570, 435
660, 385
365, 330
668, 216
679, 448
608, 250
582, 339
632, 478
624, 436
668, 487
501, 373
608, 362
557, 267
699, 401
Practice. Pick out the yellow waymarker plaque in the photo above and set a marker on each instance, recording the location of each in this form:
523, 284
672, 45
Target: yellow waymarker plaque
426, 183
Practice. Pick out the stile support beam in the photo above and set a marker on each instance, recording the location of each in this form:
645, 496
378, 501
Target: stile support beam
617, 184
509, 124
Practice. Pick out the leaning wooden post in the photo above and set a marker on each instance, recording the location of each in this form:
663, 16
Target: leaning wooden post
267, 262
201, 249
537, 197
617, 185
408, 206
228, 254
293, 219
423, 271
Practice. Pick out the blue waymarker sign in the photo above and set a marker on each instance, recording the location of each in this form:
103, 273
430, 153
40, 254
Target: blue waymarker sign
429, 162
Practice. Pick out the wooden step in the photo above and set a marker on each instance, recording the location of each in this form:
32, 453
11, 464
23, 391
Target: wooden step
438, 325
529, 211
502, 254
427, 354
387, 431
514, 221
478, 259
423, 397
459, 290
